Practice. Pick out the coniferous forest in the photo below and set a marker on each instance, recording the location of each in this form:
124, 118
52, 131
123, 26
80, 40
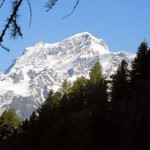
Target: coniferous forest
89, 114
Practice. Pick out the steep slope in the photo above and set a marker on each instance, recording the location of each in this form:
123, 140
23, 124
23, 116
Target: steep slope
26, 83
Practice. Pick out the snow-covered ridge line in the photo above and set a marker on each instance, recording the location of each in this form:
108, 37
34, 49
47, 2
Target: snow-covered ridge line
44, 66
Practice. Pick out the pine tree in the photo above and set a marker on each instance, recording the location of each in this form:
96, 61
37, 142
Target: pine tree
79, 85
45, 110
120, 81
141, 63
140, 101
65, 87
77, 96
97, 93
96, 75
9, 122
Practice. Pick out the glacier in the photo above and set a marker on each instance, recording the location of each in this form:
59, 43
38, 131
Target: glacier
26, 83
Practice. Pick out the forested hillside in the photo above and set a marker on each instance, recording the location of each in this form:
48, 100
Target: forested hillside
89, 114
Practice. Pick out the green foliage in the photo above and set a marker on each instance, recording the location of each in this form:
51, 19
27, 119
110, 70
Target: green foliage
57, 98
65, 87
75, 99
97, 88
9, 122
96, 75
79, 85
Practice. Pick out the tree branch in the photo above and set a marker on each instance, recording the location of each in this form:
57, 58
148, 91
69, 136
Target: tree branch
72, 10
30, 8
2, 3
50, 4
16, 5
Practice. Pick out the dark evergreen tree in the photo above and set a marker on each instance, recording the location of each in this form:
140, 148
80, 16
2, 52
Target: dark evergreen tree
140, 101
120, 83
103, 132
44, 117
141, 64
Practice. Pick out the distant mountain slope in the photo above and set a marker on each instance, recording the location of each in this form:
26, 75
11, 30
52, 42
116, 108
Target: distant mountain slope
26, 83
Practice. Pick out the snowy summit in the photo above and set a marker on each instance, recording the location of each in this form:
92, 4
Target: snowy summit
26, 84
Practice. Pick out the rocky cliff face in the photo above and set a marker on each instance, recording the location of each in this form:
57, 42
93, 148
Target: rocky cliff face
44, 66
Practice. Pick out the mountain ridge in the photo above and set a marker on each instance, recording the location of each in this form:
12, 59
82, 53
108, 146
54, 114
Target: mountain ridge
42, 67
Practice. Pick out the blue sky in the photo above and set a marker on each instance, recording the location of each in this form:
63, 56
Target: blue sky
122, 24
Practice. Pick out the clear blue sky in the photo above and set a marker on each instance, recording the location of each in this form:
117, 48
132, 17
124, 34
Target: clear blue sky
122, 24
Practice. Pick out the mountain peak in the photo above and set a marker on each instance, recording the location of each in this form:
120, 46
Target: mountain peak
44, 66
83, 36
80, 43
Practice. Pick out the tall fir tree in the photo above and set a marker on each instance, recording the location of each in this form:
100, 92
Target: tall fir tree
96, 75
120, 83
140, 101
97, 93
141, 63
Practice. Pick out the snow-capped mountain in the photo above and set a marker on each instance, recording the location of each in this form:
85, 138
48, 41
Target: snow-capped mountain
26, 83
